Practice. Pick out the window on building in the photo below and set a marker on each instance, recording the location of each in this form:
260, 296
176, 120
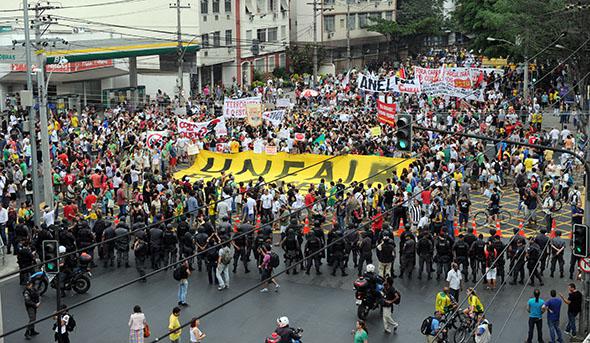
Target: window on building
273, 33
272, 5
216, 39
389, 15
204, 6
362, 20
216, 6
284, 6
373, 16
329, 2
228, 38
352, 22
261, 35
249, 7
283, 32
259, 65
329, 23
282, 60
205, 40
260, 6
248, 35
342, 23
271, 63
228, 6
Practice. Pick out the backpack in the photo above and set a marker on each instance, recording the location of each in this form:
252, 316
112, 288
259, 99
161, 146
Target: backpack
29, 185
177, 274
399, 297
274, 259
140, 249
426, 327
71, 324
227, 256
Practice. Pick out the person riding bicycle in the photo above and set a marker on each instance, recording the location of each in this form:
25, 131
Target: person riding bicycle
445, 302
475, 309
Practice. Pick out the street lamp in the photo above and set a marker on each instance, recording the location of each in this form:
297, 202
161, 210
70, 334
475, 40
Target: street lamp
518, 42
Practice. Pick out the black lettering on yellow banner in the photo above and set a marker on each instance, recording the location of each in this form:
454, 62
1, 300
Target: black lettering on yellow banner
211, 162
288, 165
326, 172
248, 167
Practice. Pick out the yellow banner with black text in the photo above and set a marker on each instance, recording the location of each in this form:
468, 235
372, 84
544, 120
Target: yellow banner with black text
290, 168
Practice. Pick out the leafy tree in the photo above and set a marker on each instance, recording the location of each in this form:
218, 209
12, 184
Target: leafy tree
413, 23
301, 58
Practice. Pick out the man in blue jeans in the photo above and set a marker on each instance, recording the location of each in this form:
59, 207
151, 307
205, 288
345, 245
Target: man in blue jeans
553, 308
536, 309
574, 302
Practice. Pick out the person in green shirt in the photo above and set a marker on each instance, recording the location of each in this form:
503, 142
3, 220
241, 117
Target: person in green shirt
360, 334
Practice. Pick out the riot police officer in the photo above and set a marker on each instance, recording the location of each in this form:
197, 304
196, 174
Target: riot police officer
443, 255
240, 246
292, 248
425, 249
122, 244
169, 245
109, 247
461, 255
338, 253
408, 257
313, 245
478, 257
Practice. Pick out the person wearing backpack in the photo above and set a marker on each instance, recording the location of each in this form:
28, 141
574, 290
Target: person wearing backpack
224, 259
140, 250
181, 274
431, 327
270, 261
390, 297
64, 324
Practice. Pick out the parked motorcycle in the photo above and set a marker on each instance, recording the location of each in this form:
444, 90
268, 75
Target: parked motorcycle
367, 299
78, 280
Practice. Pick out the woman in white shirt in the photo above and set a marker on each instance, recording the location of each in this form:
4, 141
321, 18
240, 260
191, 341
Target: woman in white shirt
136, 325
196, 334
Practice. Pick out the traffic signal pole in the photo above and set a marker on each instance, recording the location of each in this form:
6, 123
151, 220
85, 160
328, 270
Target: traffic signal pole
585, 317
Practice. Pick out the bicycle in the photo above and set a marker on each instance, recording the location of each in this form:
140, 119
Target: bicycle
483, 217
464, 333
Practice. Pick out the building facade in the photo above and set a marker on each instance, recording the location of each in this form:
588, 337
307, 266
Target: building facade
341, 23
225, 30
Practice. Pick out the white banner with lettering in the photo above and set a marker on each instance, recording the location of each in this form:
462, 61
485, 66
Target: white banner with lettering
236, 108
192, 129
275, 117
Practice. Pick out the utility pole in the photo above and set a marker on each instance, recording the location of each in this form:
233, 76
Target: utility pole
32, 115
526, 78
315, 43
180, 81
42, 94
348, 56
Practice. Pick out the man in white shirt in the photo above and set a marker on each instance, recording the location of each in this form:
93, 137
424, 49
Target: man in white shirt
48, 216
250, 207
454, 278
266, 200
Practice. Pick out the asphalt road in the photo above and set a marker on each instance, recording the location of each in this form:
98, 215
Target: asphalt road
322, 305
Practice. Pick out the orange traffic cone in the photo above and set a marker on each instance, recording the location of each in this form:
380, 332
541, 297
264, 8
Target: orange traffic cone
335, 220
257, 223
455, 228
553, 227
474, 227
236, 224
520, 228
306, 228
401, 228
498, 231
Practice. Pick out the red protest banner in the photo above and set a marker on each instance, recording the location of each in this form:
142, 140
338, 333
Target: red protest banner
386, 113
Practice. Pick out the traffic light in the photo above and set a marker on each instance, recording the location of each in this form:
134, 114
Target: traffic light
580, 240
255, 49
51, 253
404, 132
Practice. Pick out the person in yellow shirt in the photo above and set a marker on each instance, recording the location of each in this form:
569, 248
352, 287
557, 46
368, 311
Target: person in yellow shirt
234, 146
444, 301
475, 309
174, 324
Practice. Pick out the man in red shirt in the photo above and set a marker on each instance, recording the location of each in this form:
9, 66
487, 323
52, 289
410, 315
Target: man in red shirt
121, 200
96, 181
89, 201
310, 199
70, 211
